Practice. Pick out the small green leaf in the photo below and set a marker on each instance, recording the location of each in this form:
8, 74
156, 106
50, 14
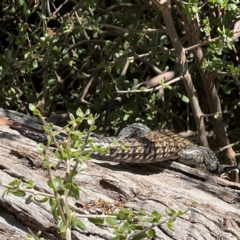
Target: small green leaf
63, 229
15, 182
36, 112
55, 133
84, 166
152, 233
145, 219
90, 119
55, 214
226, 89
26, 186
51, 185
126, 228
58, 181
17, 193
35, 63
46, 163
58, 155
112, 221
43, 200
80, 113
232, 6
170, 226
180, 213
92, 128
142, 212
49, 140
97, 221
31, 107
81, 225
115, 142
121, 215
156, 216
29, 199
185, 99
74, 191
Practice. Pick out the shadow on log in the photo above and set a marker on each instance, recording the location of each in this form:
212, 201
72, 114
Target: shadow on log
213, 202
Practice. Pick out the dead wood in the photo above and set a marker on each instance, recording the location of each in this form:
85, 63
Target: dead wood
213, 201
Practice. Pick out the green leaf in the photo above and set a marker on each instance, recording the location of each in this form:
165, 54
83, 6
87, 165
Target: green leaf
163, 40
126, 228
121, 215
90, 119
92, 128
55, 133
142, 212
31, 183
51, 185
84, 166
55, 214
46, 163
226, 89
97, 221
112, 221
17, 193
152, 233
35, 63
58, 155
140, 236
26, 186
237, 82
144, 219
116, 142
80, 113
31, 107
170, 226
43, 200
74, 191
180, 213
36, 112
58, 181
63, 229
81, 225
232, 6
156, 216
185, 98
29, 199
15, 182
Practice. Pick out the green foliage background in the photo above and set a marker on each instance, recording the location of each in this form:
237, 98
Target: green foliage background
54, 52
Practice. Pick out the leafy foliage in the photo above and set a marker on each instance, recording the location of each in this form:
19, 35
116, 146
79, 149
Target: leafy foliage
63, 55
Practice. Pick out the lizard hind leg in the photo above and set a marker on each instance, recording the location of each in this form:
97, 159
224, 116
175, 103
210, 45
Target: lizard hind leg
134, 130
199, 155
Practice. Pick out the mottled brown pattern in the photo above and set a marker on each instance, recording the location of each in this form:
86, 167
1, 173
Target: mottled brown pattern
156, 147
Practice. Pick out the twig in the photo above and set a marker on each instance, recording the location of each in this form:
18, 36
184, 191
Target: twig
152, 89
229, 145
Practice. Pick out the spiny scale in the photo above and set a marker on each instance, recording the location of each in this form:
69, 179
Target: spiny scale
156, 146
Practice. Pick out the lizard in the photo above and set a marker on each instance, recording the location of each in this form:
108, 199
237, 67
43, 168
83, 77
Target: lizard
138, 144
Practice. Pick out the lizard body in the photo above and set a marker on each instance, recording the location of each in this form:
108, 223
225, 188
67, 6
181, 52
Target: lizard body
138, 144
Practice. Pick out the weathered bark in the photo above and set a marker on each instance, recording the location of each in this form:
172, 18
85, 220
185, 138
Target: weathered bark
213, 202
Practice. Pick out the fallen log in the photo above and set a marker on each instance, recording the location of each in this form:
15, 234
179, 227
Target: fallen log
213, 202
